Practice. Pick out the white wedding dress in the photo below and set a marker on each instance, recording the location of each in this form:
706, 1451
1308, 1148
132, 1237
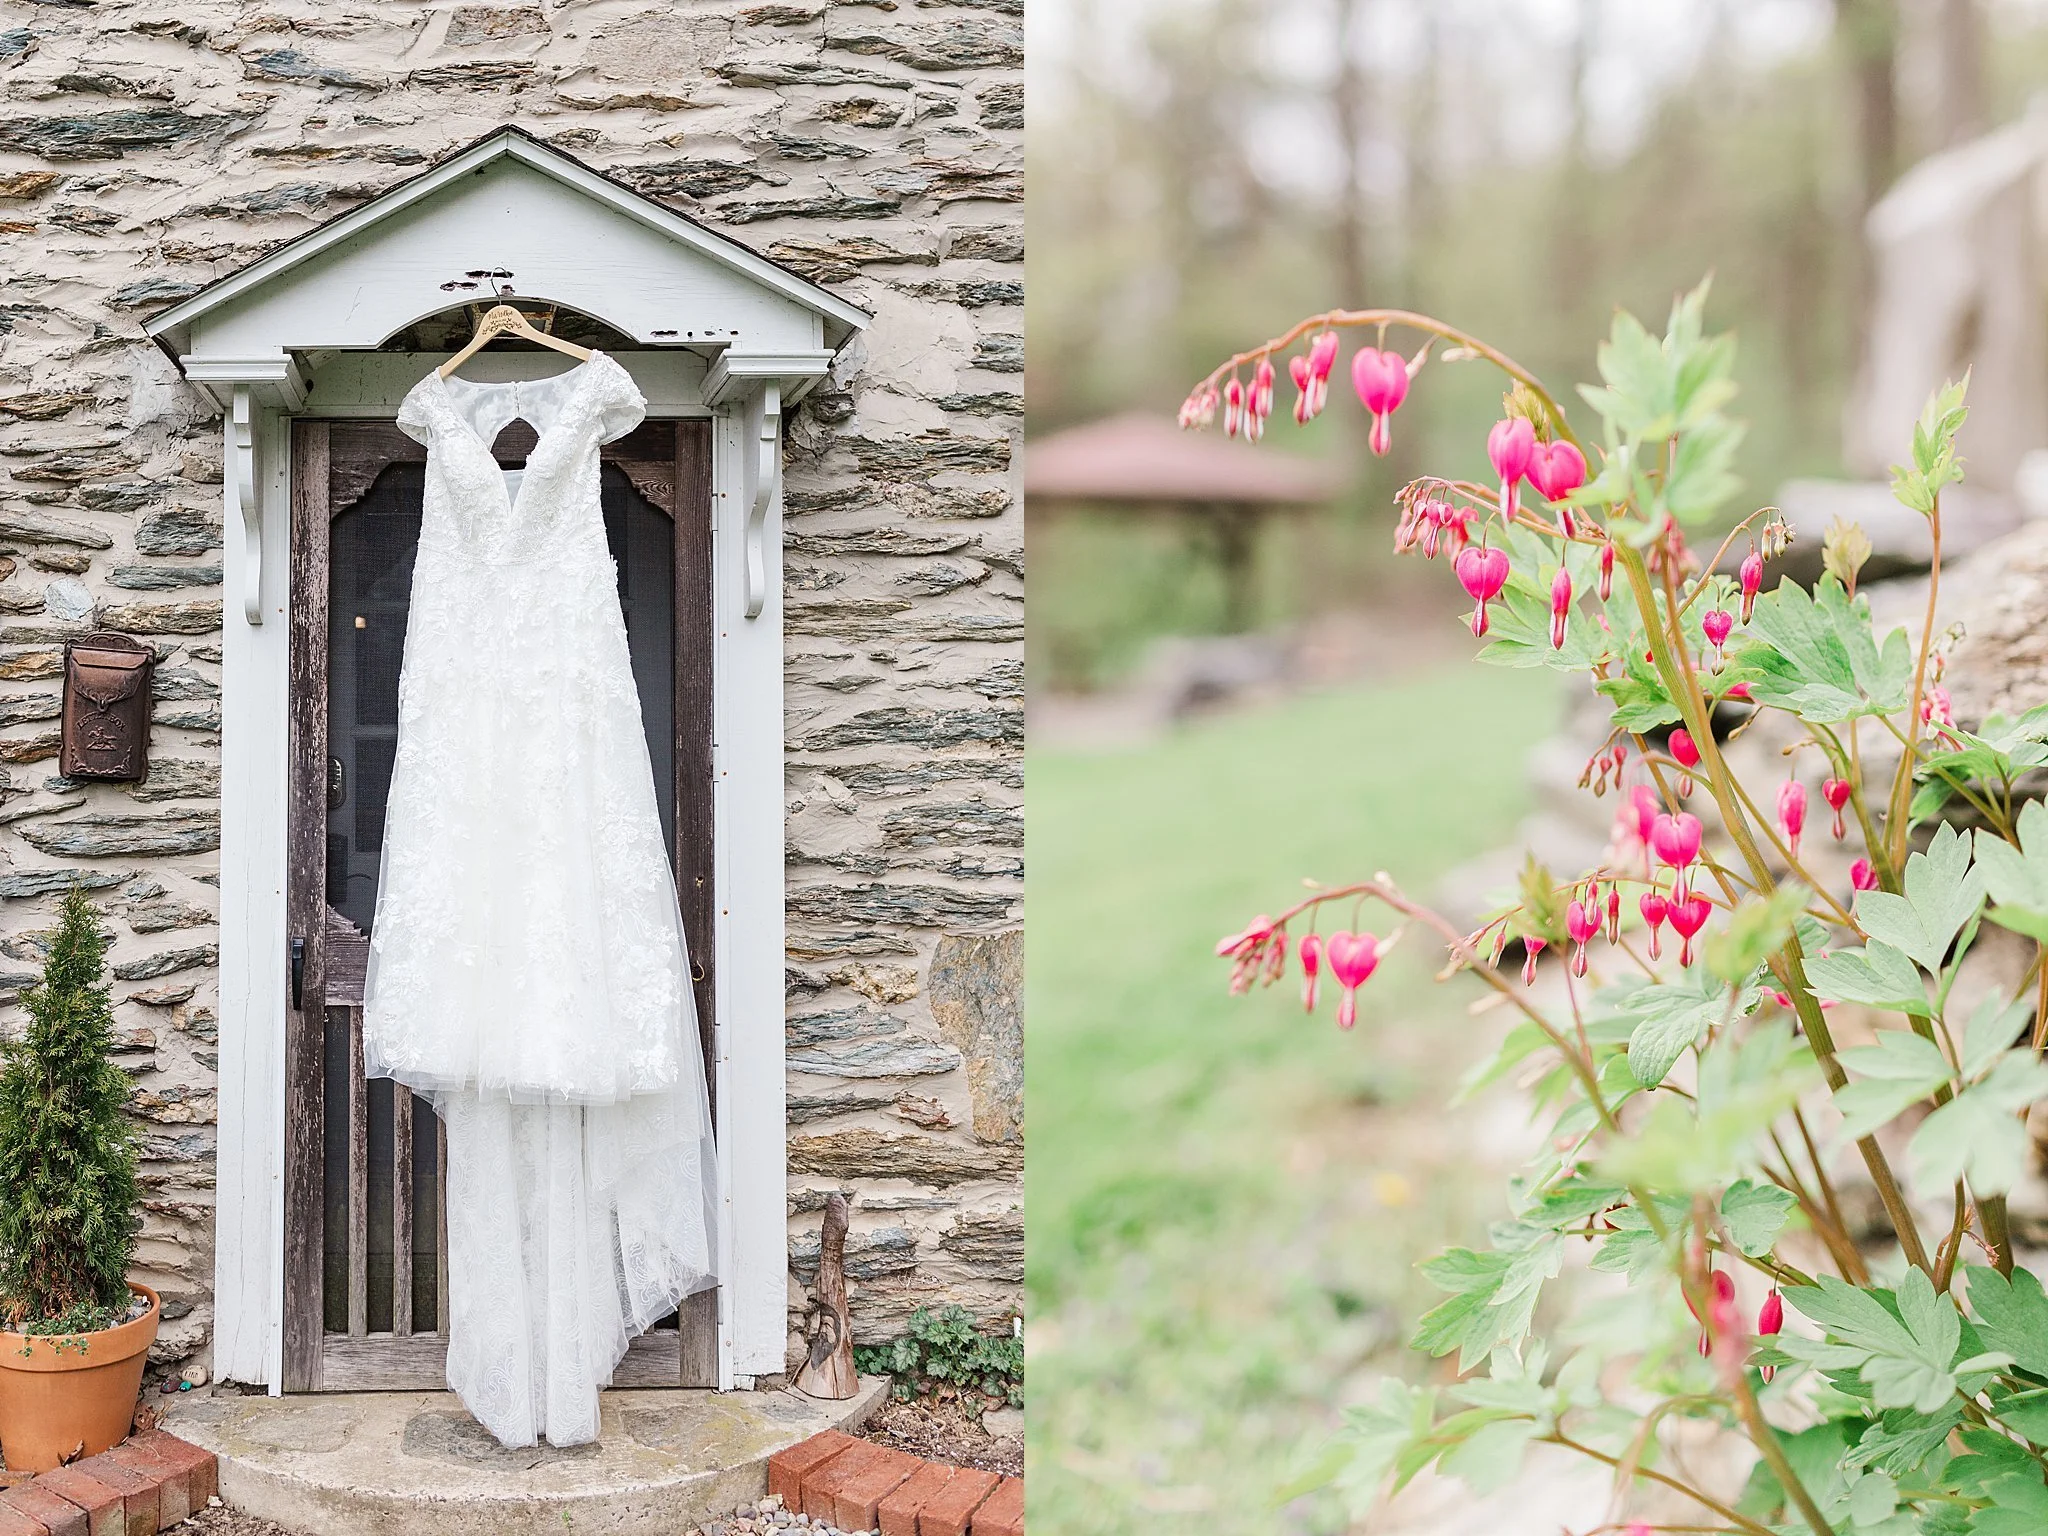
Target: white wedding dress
527, 965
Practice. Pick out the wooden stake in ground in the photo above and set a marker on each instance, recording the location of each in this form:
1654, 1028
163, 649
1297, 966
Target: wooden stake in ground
829, 1372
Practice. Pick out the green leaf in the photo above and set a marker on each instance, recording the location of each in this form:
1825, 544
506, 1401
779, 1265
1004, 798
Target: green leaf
1374, 1436
1754, 1214
1878, 975
2017, 878
1756, 930
1900, 1070
1943, 891
1904, 1358
2012, 1315
1991, 1032
1671, 1016
1978, 1135
1640, 700
1934, 450
1491, 1458
1818, 657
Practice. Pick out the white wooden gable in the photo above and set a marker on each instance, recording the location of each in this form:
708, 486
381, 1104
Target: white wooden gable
719, 332
506, 215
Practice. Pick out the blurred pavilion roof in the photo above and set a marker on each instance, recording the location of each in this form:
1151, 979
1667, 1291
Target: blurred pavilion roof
1140, 458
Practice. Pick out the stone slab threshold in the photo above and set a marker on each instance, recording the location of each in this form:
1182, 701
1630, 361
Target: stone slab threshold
847, 1484
147, 1483
416, 1464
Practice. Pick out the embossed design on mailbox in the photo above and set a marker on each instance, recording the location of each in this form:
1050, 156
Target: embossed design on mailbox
106, 707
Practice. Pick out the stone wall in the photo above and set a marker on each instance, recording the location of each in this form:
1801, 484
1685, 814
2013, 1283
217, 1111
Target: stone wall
147, 148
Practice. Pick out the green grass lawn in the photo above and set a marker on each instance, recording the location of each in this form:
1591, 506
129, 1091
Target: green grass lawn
1226, 1198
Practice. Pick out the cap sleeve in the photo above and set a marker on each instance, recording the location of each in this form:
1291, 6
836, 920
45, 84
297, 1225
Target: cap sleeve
412, 414
621, 406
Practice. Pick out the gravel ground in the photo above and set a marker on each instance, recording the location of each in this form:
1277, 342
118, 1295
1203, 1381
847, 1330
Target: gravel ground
945, 1431
218, 1519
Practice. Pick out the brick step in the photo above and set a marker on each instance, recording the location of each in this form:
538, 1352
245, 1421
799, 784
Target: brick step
857, 1485
146, 1484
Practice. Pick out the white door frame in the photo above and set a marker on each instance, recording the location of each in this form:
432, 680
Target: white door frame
742, 396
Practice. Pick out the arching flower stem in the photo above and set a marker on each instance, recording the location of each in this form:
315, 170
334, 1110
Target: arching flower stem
1344, 319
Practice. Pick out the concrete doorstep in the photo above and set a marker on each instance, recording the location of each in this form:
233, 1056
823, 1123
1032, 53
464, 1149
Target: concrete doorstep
665, 1463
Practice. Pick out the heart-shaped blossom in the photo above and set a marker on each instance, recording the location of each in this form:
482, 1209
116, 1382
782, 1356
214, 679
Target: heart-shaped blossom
1511, 446
1655, 910
1836, 793
1689, 915
1557, 469
1792, 812
1770, 1321
1560, 606
1581, 921
1751, 579
1381, 380
1311, 963
1533, 946
1862, 877
1717, 625
1352, 957
1686, 753
1606, 572
1482, 572
1676, 839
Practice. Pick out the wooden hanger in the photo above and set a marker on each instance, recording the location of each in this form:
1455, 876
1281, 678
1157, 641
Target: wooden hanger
504, 320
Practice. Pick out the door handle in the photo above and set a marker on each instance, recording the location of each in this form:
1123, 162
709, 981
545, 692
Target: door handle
298, 975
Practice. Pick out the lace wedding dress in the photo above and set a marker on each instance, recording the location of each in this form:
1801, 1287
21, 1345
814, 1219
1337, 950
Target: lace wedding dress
527, 965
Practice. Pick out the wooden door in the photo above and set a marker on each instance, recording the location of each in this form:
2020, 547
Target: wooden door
365, 1272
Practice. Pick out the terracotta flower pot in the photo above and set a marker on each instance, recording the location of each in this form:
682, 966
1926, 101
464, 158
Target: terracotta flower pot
52, 1401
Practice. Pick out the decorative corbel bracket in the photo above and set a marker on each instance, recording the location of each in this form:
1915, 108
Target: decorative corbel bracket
245, 387
761, 443
241, 456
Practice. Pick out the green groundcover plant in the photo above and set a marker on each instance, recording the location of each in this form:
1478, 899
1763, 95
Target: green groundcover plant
68, 1195
1691, 1084
945, 1349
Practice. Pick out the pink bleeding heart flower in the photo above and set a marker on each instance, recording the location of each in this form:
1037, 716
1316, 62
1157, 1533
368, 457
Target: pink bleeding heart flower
1716, 626
1614, 917
1676, 839
1792, 812
1258, 401
1643, 802
1738, 691
1511, 445
1688, 916
1482, 572
1304, 386
1560, 607
1686, 753
1751, 579
1233, 408
1606, 572
1557, 469
1353, 958
1862, 877
1311, 375
1311, 963
1836, 793
1254, 934
1532, 946
1381, 379
1581, 921
1770, 1321
1655, 910
1720, 1294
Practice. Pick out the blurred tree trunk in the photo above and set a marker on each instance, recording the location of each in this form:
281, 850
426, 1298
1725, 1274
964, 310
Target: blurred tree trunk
1573, 248
1868, 34
1960, 108
1350, 100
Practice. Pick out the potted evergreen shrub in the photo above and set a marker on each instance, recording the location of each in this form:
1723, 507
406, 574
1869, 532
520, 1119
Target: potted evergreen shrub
74, 1331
